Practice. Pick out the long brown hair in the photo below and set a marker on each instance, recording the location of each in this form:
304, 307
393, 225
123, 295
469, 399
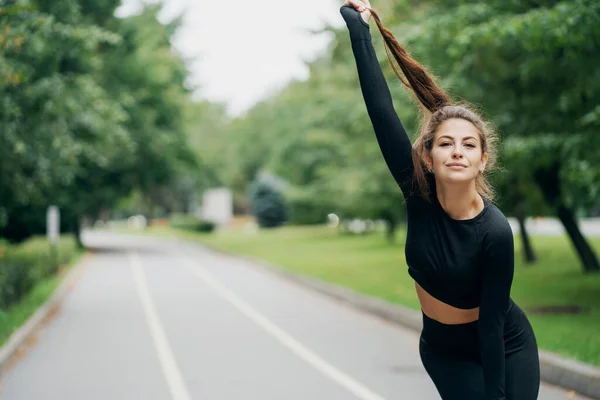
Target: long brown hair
438, 107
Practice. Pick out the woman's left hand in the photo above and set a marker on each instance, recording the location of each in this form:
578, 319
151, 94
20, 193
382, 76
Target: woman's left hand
362, 7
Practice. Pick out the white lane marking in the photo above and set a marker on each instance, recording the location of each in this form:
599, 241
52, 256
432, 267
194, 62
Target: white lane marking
165, 354
356, 388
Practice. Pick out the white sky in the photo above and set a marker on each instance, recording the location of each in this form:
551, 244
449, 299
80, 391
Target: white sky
245, 49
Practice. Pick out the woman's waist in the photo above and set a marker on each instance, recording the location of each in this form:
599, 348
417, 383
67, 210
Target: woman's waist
465, 336
441, 311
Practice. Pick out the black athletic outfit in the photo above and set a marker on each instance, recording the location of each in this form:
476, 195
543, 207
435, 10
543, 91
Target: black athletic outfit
463, 263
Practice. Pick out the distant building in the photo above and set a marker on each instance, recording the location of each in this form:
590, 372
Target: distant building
217, 206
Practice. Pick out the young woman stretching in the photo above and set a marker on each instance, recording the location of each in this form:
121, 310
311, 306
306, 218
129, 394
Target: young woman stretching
476, 343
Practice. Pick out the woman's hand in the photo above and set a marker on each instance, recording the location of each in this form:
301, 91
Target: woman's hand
362, 7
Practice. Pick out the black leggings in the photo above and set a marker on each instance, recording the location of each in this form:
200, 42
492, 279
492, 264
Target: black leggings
450, 355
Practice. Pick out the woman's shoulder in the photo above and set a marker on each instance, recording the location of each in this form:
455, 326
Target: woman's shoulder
494, 225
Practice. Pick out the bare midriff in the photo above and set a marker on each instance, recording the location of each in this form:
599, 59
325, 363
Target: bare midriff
442, 312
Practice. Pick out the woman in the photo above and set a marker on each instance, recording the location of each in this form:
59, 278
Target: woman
476, 343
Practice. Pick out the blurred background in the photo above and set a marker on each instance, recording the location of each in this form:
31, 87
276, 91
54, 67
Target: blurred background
242, 126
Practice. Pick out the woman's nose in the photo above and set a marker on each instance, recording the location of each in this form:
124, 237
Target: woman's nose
457, 153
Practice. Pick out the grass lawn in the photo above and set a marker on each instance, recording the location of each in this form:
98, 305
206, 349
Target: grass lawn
368, 264
17, 315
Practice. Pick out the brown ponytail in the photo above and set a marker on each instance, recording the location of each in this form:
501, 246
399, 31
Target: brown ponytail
419, 79
441, 108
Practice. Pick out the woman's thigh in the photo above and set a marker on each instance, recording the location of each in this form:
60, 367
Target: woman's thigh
523, 372
459, 379
454, 378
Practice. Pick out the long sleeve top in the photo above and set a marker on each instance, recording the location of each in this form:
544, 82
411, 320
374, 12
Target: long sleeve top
463, 263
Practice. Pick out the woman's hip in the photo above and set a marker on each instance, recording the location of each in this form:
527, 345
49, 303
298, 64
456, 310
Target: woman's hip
462, 340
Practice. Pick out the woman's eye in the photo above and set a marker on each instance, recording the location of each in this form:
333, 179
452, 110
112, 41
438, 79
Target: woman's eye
470, 145
445, 144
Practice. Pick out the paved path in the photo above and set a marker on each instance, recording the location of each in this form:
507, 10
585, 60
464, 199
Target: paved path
590, 227
152, 319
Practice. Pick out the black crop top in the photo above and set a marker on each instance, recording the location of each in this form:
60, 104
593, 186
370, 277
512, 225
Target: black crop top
464, 263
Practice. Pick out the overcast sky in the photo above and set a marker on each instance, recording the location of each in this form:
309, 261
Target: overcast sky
245, 49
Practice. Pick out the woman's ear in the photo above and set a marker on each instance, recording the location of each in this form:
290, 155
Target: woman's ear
428, 162
484, 160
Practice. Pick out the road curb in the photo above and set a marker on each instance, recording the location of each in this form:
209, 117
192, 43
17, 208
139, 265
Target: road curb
18, 337
569, 374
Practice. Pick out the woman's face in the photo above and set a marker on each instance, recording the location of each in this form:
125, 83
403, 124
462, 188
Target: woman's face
456, 155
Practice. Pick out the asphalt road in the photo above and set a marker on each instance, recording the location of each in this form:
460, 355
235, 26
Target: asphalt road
590, 227
156, 319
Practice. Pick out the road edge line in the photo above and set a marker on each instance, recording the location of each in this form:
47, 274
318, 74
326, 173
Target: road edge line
556, 370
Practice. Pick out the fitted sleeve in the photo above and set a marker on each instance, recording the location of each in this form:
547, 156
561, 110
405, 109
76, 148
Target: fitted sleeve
392, 138
497, 277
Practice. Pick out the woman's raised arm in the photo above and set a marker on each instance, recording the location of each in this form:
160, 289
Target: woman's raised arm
392, 138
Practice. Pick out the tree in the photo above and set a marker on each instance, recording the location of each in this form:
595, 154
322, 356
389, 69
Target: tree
268, 205
55, 115
92, 109
529, 65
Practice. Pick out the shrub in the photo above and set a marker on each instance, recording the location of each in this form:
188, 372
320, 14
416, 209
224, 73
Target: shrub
308, 209
191, 223
22, 266
267, 205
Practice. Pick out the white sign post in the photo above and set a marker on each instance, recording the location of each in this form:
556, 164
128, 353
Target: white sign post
53, 232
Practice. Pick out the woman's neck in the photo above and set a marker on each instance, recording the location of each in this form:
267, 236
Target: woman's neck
459, 201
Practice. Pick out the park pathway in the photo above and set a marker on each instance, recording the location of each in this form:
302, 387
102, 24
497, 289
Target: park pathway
154, 319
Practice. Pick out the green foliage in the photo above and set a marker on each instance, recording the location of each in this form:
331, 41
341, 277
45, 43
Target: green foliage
92, 108
21, 267
267, 204
530, 66
307, 207
49, 102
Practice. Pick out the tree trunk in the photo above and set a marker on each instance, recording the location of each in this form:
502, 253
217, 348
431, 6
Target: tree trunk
528, 253
77, 232
149, 210
549, 181
391, 224
391, 230
586, 254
